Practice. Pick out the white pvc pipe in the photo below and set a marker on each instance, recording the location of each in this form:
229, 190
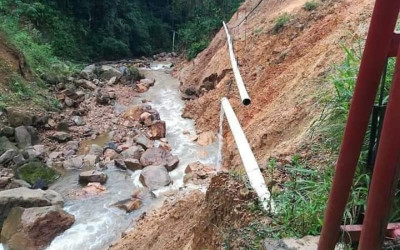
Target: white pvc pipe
249, 161
239, 81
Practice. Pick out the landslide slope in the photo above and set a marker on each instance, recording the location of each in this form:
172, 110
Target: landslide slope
285, 71
11, 62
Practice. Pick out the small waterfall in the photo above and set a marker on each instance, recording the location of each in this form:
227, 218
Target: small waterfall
220, 139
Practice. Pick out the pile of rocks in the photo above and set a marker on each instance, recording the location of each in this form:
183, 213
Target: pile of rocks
198, 174
31, 219
164, 56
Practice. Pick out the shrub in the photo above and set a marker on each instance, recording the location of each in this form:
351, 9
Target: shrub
112, 48
309, 6
281, 22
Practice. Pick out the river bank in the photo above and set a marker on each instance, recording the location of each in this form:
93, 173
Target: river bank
112, 126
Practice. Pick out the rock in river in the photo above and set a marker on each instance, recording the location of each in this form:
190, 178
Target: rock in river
159, 156
133, 164
155, 177
92, 176
206, 138
157, 130
129, 205
34, 228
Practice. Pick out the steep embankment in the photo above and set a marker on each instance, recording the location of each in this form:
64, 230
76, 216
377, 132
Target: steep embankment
284, 69
11, 62
285, 72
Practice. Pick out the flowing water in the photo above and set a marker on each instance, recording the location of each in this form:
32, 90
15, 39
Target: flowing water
98, 223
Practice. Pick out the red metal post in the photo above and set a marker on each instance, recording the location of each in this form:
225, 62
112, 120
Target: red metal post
386, 172
376, 51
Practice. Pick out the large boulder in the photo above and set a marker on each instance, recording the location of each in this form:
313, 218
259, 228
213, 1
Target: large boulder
92, 176
134, 113
109, 72
133, 152
206, 138
6, 145
22, 137
88, 72
34, 228
25, 197
160, 157
142, 140
155, 177
133, 164
36, 151
18, 118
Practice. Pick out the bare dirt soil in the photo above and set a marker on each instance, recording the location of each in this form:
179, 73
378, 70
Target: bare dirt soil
285, 72
195, 221
11, 61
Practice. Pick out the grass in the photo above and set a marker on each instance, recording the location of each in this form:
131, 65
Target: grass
19, 92
281, 21
301, 201
311, 5
43, 64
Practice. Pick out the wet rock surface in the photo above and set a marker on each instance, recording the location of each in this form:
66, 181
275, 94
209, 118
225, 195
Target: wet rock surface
155, 177
34, 228
103, 133
92, 176
25, 197
160, 157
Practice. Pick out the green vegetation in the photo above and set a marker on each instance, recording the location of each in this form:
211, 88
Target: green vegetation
205, 19
281, 21
33, 171
302, 200
311, 5
97, 30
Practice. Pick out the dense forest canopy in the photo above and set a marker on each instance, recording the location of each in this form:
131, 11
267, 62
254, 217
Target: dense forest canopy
111, 29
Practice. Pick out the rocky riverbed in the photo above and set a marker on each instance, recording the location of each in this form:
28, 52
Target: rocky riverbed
115, 151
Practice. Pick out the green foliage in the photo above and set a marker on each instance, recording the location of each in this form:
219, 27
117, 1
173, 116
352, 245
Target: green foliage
281, 21
196, 34
302, 203
117, 28
311, 5
332, 122
113, 49
33, 171
19, 86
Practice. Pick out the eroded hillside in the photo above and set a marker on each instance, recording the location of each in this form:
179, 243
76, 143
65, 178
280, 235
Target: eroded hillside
284, 69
